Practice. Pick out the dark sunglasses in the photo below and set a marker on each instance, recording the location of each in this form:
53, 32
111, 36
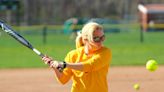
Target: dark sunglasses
98, 39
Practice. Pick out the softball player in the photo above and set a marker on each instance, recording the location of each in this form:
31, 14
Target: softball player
88, 64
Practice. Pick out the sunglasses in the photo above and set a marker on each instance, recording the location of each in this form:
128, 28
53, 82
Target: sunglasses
98, 39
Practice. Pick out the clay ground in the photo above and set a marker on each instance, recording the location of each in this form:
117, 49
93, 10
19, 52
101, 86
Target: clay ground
121, 79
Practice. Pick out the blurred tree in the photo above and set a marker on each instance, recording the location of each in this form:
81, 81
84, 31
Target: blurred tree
57, 11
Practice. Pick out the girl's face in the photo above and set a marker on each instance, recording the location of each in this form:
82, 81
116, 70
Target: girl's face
97, 40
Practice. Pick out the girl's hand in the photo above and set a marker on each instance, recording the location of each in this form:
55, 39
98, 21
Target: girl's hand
53, 63
47, 60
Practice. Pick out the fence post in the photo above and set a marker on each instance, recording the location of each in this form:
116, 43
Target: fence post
141, 34
44, 34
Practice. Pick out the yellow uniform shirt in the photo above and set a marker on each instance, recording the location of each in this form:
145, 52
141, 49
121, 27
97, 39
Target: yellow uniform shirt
93, 78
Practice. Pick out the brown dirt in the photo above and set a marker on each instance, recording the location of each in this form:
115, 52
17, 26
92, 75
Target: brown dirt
121, 79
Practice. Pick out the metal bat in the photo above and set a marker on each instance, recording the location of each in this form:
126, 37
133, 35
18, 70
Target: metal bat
21, 39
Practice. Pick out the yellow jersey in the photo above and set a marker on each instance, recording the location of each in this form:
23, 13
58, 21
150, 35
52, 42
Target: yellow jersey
93, 78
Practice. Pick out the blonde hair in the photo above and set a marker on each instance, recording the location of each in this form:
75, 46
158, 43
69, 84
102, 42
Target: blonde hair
87, 33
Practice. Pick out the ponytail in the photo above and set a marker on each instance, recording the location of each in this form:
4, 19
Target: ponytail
79, 41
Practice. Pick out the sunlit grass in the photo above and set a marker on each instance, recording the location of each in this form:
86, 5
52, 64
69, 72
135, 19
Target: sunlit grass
126, 48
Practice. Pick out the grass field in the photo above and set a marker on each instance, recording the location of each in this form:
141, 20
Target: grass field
126, 48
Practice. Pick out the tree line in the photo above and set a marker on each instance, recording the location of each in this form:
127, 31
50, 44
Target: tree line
36, 12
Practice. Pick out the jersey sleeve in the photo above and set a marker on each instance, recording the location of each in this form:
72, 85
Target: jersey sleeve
98, 61
67, 72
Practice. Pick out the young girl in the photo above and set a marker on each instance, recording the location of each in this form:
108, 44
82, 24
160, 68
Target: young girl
88, 64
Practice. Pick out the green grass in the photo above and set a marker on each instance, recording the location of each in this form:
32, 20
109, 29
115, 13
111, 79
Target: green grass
126, 49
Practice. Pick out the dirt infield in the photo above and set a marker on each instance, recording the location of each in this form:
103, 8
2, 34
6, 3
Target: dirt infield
121, 79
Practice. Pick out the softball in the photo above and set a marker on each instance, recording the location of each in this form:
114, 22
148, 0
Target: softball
151, 65
136, 86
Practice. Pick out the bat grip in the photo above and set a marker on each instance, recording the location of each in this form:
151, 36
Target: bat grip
42, 55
